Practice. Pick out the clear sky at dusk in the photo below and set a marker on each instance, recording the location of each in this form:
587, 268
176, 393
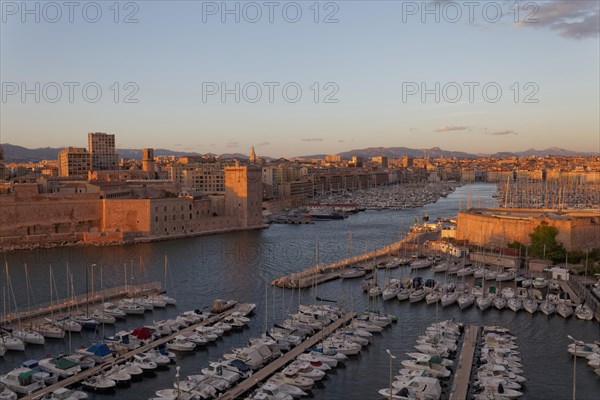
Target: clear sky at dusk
179, 53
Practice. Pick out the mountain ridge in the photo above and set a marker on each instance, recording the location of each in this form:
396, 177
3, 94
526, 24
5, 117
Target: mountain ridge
15, 153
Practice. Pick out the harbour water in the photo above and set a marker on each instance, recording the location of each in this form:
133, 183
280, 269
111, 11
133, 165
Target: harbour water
241, 265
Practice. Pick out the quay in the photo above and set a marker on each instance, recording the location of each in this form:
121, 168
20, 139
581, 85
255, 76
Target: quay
321, 273
126, 356
282, 361
462, 376
82, 300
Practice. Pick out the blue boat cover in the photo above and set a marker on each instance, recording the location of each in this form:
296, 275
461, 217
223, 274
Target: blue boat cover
99, 349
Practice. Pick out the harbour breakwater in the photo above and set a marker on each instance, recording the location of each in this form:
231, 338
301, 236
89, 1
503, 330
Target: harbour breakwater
321, 273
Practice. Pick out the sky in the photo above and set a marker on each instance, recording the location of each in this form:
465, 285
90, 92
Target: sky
303, 77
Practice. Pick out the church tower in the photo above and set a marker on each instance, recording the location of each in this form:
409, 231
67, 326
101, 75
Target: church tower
252, 156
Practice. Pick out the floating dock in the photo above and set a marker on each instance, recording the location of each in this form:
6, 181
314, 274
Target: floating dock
126, 356
462, 376
262, 374
81, 301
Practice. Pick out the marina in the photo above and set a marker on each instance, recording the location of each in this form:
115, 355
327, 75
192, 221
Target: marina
240, 265
126, 356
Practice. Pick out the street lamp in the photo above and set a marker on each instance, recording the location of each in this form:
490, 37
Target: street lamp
575, 343
391, 358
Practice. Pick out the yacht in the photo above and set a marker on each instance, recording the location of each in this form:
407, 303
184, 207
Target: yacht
584, 312
61, 366
530, 305
20, 380
465, 300
449, 298
99, 383
216, 369
540, 283
28, 336
564, 310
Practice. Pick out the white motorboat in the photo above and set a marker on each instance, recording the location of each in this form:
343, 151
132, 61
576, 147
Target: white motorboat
132, 308
547, 307
103, 317
506, 276
67, 394
7, 394
134, 371
441, 267
144, 362
540, 283
417, 295
484, 302
181, 343
530, 305
420, 264
12, 343
68, 325
449, 298
433, 297
86, 321
294, 379
500, 392
304, 369
320, 357
466, 271
390, 292
270, 391
119, 375
49, 331
465, 300
99, 383
403, 294
20, 380
353, 273
216, 369
583, 312
287, 388
61, 366
421, 387
499, 302
29, 336
434, 369
114, 310
564, 310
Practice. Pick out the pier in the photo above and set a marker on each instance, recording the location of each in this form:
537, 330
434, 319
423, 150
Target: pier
126, 356
81, 300
462, 376
321, 273
566, 287
282, 361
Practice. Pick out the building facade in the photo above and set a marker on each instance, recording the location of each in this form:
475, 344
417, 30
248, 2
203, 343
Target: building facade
74, 161
102, 149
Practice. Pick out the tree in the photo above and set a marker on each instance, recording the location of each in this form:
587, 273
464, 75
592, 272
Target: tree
543, 243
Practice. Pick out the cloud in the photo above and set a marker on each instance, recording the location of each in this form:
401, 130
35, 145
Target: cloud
312, 140
572, 19
451, 128
262, 144
232, 144
503, 133
341, 141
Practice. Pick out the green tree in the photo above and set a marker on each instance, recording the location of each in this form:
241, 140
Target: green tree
544, 243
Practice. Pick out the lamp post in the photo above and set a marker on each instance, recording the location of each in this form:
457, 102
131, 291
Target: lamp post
391, 358
575, 343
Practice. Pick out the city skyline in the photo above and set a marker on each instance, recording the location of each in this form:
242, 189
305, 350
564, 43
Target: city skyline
377, 60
